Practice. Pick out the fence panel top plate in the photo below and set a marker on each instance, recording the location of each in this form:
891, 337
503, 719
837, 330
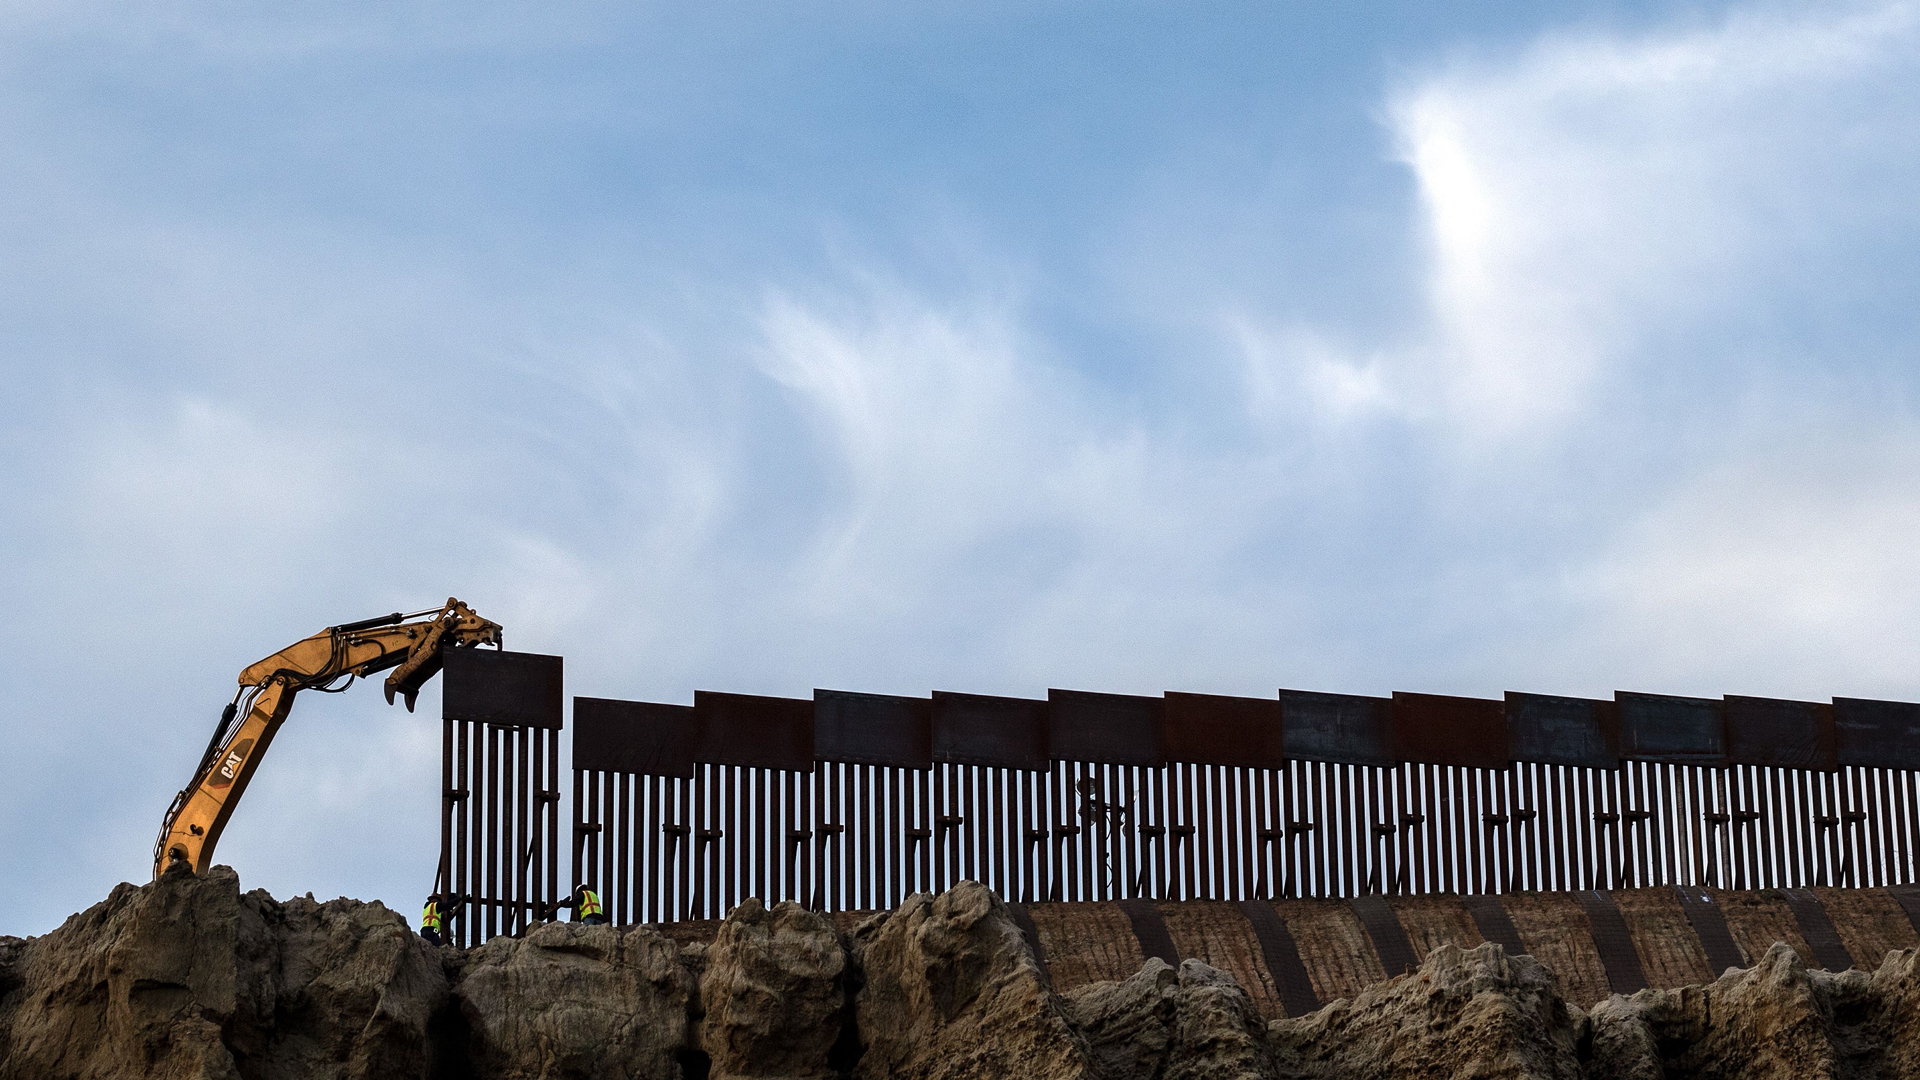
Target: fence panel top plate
755, 731
1108, 729
641, 737
974, 729
873, 729
1877, 733
492, 686
1209, 729
1550, 730
1674, 730
1435, 729
1343, 728
1782, 734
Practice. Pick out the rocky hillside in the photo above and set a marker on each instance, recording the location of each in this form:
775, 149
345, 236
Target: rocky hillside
190, 978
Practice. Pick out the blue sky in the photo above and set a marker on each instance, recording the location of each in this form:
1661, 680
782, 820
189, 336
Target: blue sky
1218, 347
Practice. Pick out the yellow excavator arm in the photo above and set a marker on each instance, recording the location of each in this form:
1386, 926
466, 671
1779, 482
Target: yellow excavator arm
411, 645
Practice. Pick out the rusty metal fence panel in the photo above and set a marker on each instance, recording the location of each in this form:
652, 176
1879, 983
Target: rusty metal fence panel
500, 792
855, 801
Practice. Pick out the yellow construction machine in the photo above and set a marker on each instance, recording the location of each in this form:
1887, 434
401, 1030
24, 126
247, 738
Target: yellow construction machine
411, 644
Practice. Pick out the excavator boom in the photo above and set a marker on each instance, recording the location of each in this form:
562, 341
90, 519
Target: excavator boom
412, 646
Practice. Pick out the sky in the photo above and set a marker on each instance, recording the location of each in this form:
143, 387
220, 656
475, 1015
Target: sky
984, 347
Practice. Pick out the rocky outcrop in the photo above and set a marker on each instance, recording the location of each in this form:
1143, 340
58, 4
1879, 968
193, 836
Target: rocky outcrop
1773, 1021
569, 1000
1181, 1025
951, 991
189, 978
186, 978
1464, 1012
774, 995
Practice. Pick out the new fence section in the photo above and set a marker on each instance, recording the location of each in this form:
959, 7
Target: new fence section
500, 841
853, 801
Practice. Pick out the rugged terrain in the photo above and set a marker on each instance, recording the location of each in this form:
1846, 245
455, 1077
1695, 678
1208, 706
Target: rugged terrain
188, 977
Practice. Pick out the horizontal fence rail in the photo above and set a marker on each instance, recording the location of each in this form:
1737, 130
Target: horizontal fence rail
854, 801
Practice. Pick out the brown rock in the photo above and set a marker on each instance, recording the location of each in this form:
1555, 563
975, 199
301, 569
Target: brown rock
1894, 1024
189, 978
355, 991
1193, 1023
951, 991
1773, 1021
1463, 1013
774, 994
185, 977
570, 1000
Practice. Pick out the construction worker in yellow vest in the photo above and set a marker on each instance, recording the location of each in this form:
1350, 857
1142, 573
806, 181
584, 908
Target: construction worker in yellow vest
586, 907
430, 920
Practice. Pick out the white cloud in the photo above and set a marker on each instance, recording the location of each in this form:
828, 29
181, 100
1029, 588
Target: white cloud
1298, 373
1600, 194
1785, 571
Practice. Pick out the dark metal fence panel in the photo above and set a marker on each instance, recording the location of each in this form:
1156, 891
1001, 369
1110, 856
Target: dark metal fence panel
493, 686
1211, 729
1442, 730
1877, 733
873, 729
1194, 796
1341, 728
751, 731
997, 732
1784, 734
1576, 732
635, 737
1111, 729
1680, 730
500, 792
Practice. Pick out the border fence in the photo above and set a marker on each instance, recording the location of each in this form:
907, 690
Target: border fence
500, 792
850, 801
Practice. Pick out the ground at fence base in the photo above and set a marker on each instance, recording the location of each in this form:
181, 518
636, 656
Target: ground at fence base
1081, 943
188, 977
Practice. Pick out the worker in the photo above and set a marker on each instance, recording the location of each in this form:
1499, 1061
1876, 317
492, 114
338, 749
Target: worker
430, 920
586, 907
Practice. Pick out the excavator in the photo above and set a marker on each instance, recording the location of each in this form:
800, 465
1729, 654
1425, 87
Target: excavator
413, 645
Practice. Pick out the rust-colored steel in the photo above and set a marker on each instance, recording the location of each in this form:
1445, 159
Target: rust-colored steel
873, 729
1817, 929
975, 729
1574, 732
1661, 727
1610, 937
1468, 732
1116, 729
449, 799
1784, 734
1211, 729
854, 801
503, 689
1880, 733
1336, 727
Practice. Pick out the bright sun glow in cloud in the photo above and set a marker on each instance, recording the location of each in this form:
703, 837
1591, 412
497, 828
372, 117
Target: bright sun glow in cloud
1601, 192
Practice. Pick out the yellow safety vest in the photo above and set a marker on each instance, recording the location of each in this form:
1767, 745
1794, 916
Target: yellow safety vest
589, 903
430, 918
